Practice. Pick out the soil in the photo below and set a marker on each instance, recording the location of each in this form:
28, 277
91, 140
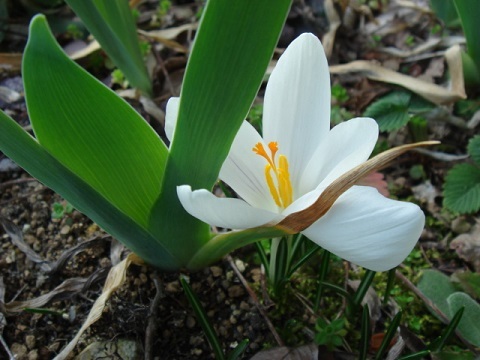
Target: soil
150, 312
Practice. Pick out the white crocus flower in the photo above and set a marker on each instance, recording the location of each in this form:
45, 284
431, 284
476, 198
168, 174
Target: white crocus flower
298, 157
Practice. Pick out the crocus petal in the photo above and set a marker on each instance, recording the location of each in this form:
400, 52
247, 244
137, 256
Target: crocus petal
223, 212
347, 145
296, 110
368, 229
244, 171
171, 115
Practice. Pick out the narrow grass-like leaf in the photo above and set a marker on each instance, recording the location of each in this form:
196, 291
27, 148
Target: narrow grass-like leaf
322, 275
278, 263
337, 289
231, 53
29, 154
262, 254
418, 355
89, 129
363, 287
390, 283
445, 10
391, 331
111, 23
448, 331
366, 333
462, 189
239, 350
469, 13
303, 260
203, 320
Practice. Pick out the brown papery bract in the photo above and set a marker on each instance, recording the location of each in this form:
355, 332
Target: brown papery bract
301, 220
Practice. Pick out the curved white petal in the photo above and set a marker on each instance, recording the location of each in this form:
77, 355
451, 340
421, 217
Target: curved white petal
171, 115
223, 212
244, 170
368, 229
296, 110
347, 145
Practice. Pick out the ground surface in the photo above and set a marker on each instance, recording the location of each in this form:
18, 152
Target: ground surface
169, 327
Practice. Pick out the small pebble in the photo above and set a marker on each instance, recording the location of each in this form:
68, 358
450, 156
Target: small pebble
19, 350
33, 355
30, 341
216, 271
236, 291
190, 322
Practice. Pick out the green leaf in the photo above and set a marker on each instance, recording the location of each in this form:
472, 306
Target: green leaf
111, 23
474, 148
462, 189
469, 13
391, 111
202, 318
469, 325
231, 52
437, 287
26, 152
445, 10
470, 282
89, 129
449, 355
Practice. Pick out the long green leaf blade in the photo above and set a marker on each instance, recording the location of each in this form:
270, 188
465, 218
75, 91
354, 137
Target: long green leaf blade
89, 129
29, 154
112, 24
233, 47
469, 13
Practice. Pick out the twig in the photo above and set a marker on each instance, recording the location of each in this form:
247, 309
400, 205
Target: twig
151, 329
5, 346
168, 81
253, 296
16, 181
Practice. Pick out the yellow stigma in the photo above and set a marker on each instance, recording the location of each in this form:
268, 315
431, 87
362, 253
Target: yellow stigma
280, 185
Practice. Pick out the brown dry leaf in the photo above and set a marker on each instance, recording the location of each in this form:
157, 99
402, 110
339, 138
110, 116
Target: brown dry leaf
115, 278
10, 62
16, 236
306, 352
64, 290
84, 51
432, 92
334, 20
71, 252
467, 246
166, 36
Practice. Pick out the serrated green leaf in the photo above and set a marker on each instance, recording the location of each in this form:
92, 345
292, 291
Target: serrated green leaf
111, 23
420, 105
469, 326
462, 189
391, 111
474, 148
89, 129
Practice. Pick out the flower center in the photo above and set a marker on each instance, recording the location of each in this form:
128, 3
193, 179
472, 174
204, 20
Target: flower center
280, 185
